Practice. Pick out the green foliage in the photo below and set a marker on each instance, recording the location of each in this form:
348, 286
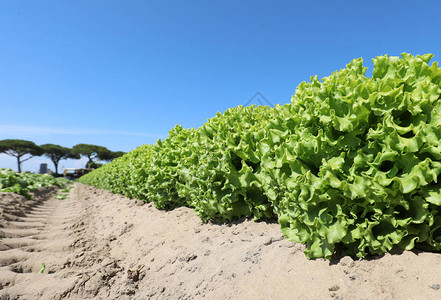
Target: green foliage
20, 149
110, 155
61, 196
43, 267
63, 193
24, 183
91, 152
95, 152
352, 161
56, 153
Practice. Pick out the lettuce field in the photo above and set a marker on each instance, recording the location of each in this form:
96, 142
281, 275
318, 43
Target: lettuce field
352, 162
24, 183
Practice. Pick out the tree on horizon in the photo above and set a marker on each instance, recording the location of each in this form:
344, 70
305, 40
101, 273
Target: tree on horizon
20, 149
56, 153
92, 152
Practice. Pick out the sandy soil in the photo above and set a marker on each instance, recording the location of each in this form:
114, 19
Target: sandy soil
96, 245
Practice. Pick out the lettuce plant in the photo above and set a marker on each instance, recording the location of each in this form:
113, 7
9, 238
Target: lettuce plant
25, 183
352, 162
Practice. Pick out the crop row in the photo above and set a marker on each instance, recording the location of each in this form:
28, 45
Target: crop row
24, 183
352, 162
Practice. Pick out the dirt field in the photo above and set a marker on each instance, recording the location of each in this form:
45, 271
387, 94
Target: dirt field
96, 245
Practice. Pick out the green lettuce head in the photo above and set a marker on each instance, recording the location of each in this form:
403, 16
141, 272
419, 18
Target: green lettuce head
352, 162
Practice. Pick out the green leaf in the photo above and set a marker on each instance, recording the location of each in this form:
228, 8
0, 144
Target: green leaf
351, 160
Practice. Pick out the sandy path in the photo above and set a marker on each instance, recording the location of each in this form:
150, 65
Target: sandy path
97, 245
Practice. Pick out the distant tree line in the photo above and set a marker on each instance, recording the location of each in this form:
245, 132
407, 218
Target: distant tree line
24, 150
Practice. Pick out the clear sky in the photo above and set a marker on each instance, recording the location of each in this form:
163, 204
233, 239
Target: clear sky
121, 74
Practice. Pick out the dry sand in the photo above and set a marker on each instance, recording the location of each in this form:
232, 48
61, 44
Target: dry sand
96, 245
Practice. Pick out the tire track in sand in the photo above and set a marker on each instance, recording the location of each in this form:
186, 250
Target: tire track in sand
40, 235
97, 245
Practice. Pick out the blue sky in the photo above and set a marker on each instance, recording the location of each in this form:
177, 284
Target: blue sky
122, 73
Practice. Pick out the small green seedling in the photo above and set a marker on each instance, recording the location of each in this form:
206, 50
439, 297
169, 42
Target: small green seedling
43, 267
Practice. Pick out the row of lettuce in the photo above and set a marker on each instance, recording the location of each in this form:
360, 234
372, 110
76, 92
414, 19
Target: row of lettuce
353, 162
25, 183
